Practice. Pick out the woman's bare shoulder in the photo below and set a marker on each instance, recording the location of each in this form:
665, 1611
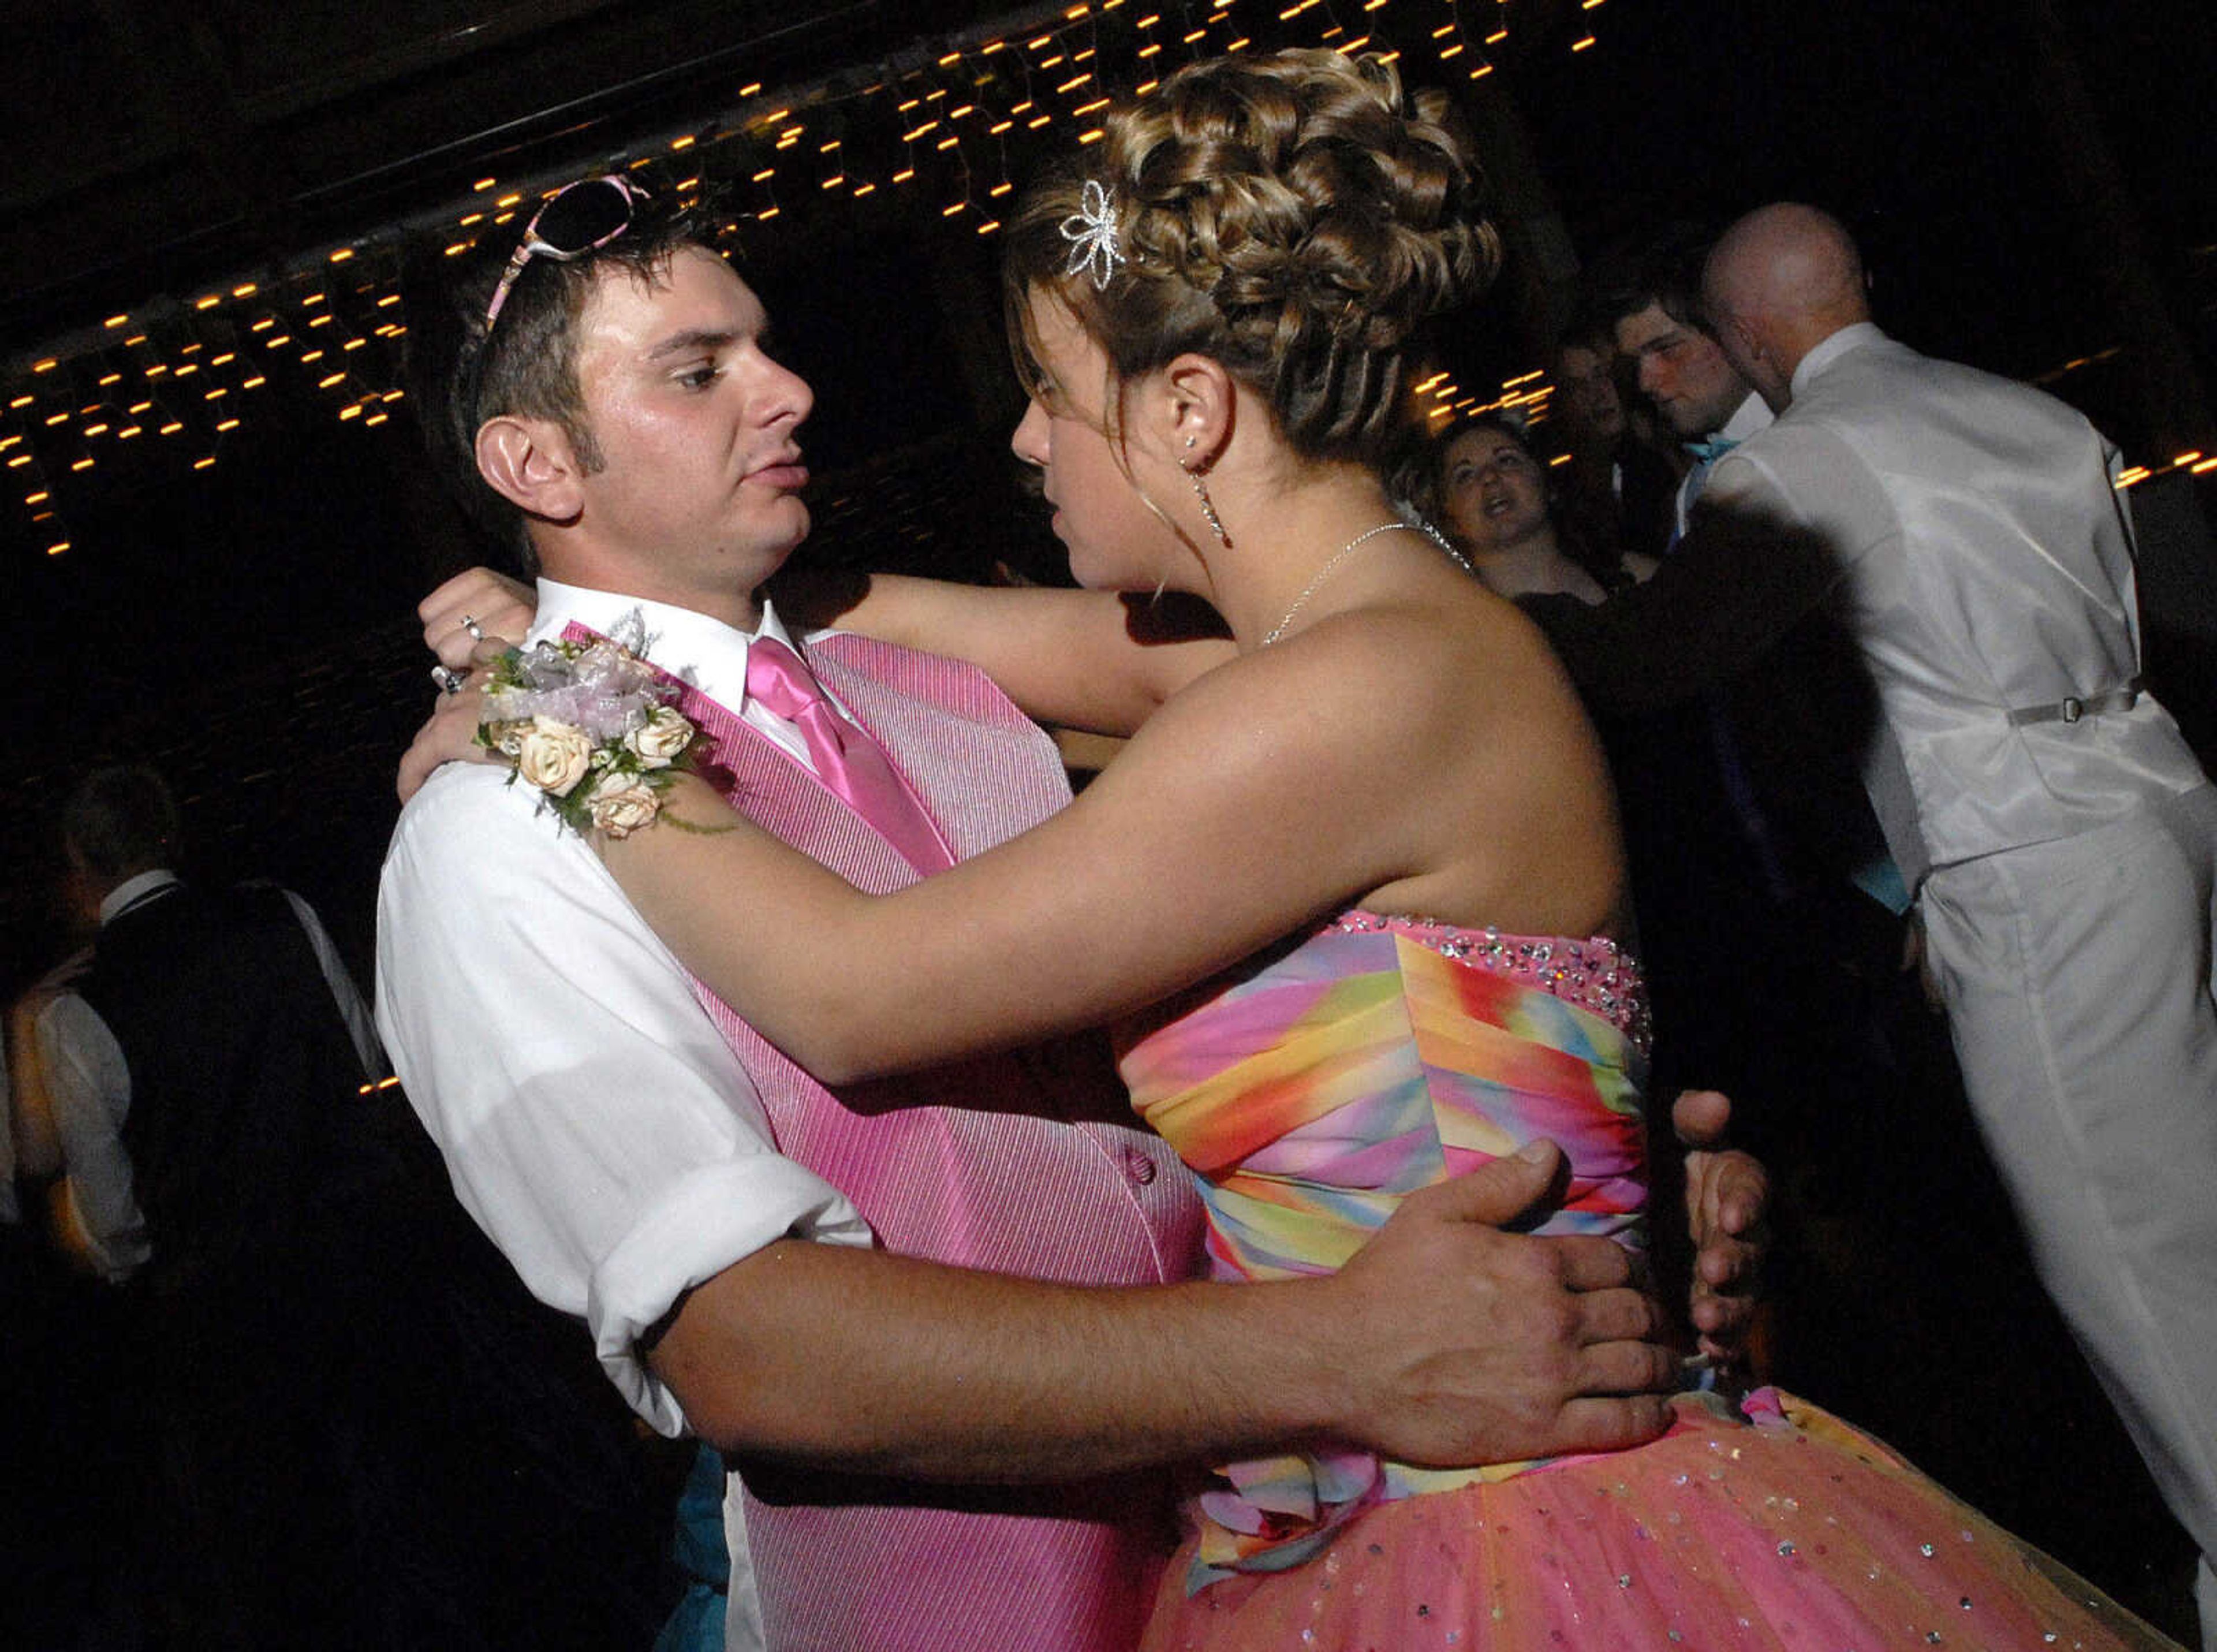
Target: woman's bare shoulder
1466, 655
1410, 683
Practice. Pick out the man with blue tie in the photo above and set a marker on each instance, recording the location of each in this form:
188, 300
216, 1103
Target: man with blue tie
1655, 315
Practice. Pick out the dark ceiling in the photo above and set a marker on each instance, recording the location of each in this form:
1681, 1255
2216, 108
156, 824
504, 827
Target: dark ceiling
158, 144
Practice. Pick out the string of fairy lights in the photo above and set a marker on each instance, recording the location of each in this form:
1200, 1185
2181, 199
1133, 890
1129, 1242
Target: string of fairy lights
163, 389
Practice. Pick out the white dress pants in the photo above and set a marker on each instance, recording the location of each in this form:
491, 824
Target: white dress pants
2077, 980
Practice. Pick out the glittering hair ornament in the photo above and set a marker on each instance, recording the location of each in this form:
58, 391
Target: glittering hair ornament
1091, 233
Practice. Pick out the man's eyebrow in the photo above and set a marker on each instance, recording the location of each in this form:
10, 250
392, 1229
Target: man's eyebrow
692, 339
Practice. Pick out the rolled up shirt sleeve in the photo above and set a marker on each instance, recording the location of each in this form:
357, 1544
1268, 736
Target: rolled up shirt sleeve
593, 1121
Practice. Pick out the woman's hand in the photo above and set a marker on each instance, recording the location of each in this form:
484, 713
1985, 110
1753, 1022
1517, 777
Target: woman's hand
449, 734
467, 623
1728, 1211
475, 605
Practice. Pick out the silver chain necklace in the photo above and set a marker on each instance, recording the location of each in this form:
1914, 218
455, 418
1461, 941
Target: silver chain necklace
1325, 572
1446, 544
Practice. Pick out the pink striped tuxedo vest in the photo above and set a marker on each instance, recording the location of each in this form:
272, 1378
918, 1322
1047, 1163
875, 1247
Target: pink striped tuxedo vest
1023, 1164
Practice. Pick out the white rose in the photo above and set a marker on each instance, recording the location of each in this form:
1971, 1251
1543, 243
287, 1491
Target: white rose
621, 804
552, 756
661, 738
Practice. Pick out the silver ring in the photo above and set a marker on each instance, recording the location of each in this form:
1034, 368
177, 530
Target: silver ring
449, 682
470, 624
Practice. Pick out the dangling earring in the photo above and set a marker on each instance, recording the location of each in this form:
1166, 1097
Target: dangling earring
1208, 506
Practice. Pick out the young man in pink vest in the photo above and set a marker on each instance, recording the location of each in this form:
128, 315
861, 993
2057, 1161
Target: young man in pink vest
944, 1324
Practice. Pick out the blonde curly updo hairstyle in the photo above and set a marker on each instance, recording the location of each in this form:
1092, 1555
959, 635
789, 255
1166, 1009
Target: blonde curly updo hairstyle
1292, 216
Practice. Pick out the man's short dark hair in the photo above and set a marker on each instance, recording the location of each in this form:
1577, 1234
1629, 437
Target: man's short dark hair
1665, 273
1587, 329
461, 373
121, 819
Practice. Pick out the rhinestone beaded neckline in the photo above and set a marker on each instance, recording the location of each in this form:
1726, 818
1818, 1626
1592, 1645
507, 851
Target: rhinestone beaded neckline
1595, 974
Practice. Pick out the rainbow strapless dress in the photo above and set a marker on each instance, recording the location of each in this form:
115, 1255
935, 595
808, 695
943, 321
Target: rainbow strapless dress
1379, 1055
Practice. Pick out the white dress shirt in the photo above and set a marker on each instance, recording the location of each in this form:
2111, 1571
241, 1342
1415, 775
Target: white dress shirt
1752, 415
594, 1121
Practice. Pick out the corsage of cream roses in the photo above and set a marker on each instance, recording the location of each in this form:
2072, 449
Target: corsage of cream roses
587, 723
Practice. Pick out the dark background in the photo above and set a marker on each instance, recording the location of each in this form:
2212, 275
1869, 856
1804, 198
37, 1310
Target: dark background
157, 150
2031, 180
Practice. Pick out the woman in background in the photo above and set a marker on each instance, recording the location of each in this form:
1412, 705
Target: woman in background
1482, 484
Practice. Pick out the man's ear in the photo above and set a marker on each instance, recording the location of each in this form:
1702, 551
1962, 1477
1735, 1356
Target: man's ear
1198, 405
1748, 336
530, 463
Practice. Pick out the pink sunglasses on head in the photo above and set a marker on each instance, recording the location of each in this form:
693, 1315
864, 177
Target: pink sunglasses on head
575, 220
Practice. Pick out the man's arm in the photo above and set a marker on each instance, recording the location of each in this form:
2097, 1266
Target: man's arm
37, 1153
593, 1121
1443, 1341
1744, 576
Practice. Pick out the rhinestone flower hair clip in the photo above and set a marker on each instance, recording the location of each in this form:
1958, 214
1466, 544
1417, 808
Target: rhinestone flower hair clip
1091, 233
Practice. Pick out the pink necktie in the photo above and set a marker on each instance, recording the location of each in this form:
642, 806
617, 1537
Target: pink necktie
848, 762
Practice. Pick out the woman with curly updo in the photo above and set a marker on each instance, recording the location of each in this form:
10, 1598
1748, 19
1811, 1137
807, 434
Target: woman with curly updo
1349, 895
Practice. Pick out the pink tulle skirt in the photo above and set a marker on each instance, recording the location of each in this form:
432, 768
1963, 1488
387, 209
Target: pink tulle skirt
1796, 1530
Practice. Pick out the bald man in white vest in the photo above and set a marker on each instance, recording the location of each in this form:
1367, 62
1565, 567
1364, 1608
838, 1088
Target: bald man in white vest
2059, 836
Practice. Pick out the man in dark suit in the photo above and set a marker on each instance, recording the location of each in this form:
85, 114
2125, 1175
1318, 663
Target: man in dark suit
193, 1069
191, 1091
